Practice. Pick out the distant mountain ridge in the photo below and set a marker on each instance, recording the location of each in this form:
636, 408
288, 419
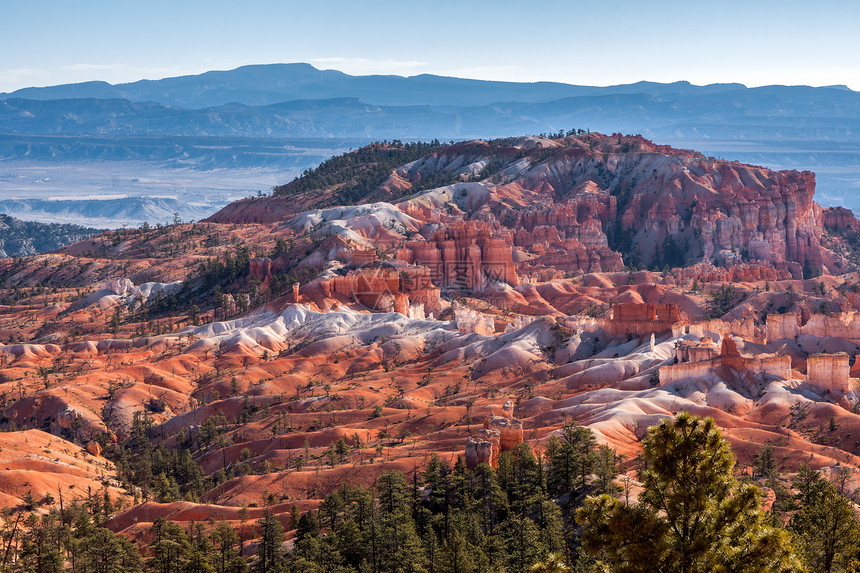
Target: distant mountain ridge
173, 150
132, 210
275, 83
757, 113
298, 100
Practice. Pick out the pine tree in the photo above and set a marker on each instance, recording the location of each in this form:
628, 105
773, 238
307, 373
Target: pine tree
826, 525
765, 462
40, 548
170, 548
571, 459
105, 552
522, 538
391, 489
605, 469
457, 554
226, 550
269, 546
692, 517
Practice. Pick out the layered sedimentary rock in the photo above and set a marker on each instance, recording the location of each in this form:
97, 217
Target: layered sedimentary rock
593, 203
839, 219
696, 350
570, 237
639, 319
260, 269
510, 431
465, 256
736, 273
500, 434
708, 209
94, 448
470, 321
830, 372
746, 327
327, 368
387, 288
483, 448
703, 361
844, 325
783, 326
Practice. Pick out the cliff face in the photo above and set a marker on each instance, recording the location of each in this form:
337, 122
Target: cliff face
662, 206
830, 372
592, 203
839, 219
465, 257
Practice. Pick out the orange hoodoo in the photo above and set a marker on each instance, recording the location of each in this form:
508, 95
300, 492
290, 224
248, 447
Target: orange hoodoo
500, 434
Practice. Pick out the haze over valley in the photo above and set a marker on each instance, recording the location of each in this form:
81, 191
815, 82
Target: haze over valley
189, 145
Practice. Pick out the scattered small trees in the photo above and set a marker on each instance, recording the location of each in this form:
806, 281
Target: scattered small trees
723, 300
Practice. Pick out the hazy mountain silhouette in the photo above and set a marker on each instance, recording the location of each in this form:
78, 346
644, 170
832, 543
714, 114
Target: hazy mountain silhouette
274, 83
751, 113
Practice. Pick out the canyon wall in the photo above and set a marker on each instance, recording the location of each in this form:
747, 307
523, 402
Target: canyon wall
776, 366
844, 325
830, 372
387, 289
703, 361
640, 319
579, 204
466, 256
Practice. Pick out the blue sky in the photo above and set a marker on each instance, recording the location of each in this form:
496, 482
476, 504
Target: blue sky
584, 42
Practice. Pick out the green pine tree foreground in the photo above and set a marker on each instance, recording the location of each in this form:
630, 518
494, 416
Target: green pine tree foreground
692, 517
537, 512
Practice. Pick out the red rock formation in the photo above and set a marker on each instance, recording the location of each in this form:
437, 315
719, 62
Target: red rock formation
839, 219
260, 269
639, 319
783, 326
500, 434
577, 204
387, 288
363, 256
570, 237
510, 431
710, 208
830, 372
470, 321
94, 448
729, 347
775, 366
737, 273
483, 448
716, 328
845, 325
401, 303
696, 351
465, 256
